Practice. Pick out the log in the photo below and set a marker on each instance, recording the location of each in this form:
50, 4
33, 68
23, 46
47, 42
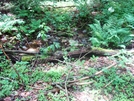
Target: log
79, 53
20, 51
73, 54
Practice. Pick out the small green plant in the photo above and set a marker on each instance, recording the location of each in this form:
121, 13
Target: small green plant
53, 75
50, 48
11, 79
43, 30
130, 20
114, 8
121, 26
32, 5
123, 57
36, 27
22, 70
6, 83
94, 58
59, 19
41, 96
9, 24
83, 15
57, 97
37, 75
73, 45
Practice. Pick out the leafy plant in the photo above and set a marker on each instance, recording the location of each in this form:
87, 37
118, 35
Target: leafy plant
113, 83
22, 69
9, 78
6, 84
57, 97
27, 5
130, 20
41, 96
59, 19
83, 15
114, 8
50, 48
111, 34
43, 31
53, 75
8, 24
36, 27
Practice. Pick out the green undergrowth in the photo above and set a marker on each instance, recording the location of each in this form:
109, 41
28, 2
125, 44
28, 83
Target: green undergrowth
114, 25
111, 27
116, 82
120, 86
23, 75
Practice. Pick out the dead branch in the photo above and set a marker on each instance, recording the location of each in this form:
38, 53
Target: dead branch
74, 54
58, 86
20, 51
82, 83
81, 52
97, 73
52, 6
84, 78
19, 77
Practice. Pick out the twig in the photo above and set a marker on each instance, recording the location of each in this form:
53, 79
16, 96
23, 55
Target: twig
82, 83
81, 52
108, 83
60, 6
85, 55
6, 78
66, 82
97, 73
87, 77
12, 65
20, 51
64, 90
35, 61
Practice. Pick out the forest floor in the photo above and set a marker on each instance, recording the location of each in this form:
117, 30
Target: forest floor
76, 70
81, 87
81, 76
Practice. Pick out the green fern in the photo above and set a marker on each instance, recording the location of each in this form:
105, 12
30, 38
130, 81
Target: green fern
7, 24
111, 34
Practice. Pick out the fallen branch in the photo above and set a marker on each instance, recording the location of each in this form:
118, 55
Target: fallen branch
82, 83
16, 71
73, 54
84, 78
5, 78
20, 51
80, 54
97, 73
52, 6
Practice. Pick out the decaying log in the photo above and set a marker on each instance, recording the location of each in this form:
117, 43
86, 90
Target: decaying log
79, 53
73, 54
20, 51
102, 51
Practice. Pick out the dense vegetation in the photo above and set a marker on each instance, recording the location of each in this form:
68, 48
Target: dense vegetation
49, 27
